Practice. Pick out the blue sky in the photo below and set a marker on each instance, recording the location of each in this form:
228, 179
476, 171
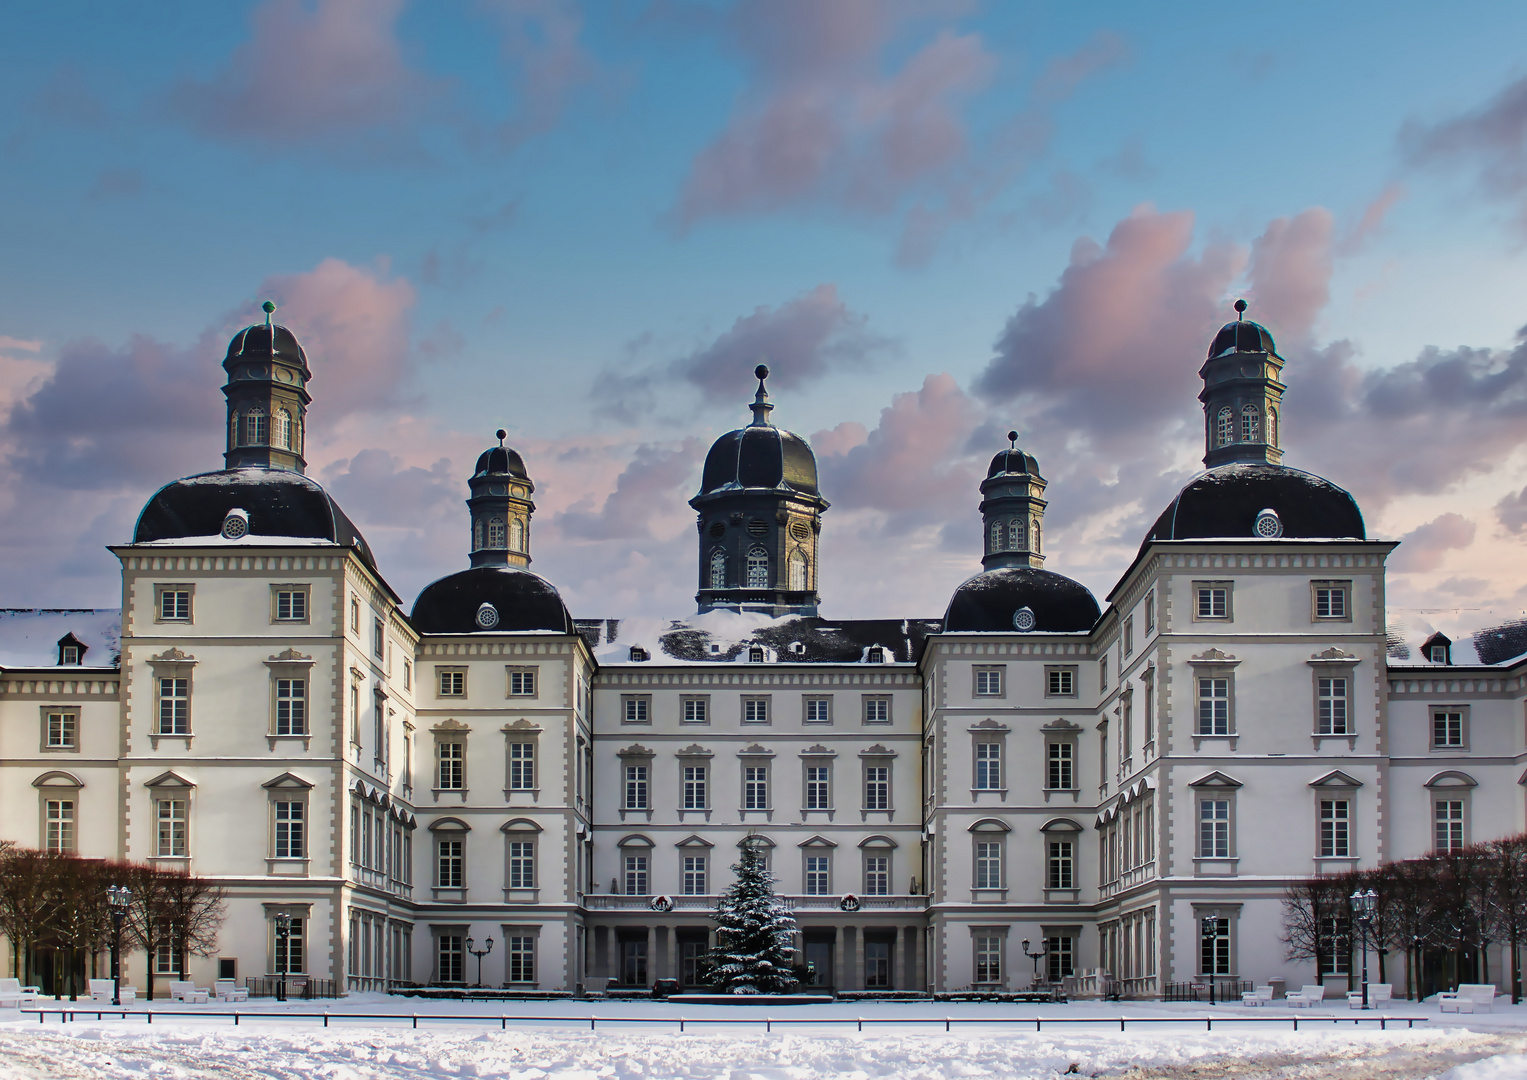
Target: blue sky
586, 223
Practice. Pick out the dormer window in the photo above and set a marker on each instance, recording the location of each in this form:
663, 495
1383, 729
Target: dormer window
71, 651
876, 655
1438, 649
1438, 654
639, 655
755, 654
69, 654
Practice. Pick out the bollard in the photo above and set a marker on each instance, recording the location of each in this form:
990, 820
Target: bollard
681, 1025
235, 1018
326, 1018
416, 1021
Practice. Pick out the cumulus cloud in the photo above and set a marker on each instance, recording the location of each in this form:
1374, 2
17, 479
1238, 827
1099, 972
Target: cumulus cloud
1424, 547
1491, 138
1511, 511
654, 482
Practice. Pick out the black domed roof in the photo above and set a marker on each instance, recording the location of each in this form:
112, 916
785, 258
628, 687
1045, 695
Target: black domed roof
1013, 461
1243, 335
280, 503
1225, 502
500, 460
264, 342
760, 456
520, 600
989, 601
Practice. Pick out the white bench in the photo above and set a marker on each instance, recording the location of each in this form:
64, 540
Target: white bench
1378, 993
101, 990
229, 990
188, 992
1469, 997
1307, 998
1258, 997
13, 995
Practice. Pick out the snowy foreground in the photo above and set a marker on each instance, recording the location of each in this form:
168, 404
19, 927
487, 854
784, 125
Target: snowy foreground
455, 1039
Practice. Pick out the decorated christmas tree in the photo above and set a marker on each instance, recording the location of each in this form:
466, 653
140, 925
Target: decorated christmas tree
753, 952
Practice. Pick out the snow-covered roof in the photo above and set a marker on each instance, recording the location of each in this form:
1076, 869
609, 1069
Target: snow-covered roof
724, 636
29, 637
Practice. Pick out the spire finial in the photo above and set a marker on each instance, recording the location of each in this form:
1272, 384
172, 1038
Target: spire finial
1012, 440
269, 308
1240, 310
501, 433
761, 406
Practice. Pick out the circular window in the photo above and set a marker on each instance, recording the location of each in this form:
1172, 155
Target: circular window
717, 529
757, 527
236, 525
497, 489
800, 530
1023, 619
487, 616
1268, 524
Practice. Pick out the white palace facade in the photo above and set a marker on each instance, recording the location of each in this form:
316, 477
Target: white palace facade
1032, 785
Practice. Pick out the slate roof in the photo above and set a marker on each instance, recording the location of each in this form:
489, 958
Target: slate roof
522, 601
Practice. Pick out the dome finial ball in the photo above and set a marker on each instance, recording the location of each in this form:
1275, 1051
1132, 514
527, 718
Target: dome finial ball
1240, 308
761, 371
500, 434
268, 307
1012, 436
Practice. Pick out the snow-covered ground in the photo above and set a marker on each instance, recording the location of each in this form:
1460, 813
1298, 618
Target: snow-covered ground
641, 1041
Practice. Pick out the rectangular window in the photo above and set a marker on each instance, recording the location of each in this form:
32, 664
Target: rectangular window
1150, 611
408, 675
1213, 600
449, 958
63, 728
291, 841
696, 710
1447, 728
291, 605
818, 876
522, 958
522, 864
694, 875
1331, 716
989, 681
755, 787
636, 787
877, 875
988, 766
1335, 946
988, 958
453, 684
877, 965
174, 604
450, 863
1214, 947
452, 772
60, 838
1448, 815
1060, 682
291, 707
171, 839
817, 787
988, 864
1062, 959
877, 787
164, 958
755, 710
636, 875
174, 706
291, 953
1331, 600
522, 682
634, 962
355, 614
1335, 828
1062, 767
1214, 829
1062, 865
635, 709
694, 788
1103, 672
1213, 706
1129, 635
877, 709
522, 766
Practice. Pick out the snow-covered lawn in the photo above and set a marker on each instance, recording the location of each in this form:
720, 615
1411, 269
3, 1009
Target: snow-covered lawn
559, 1046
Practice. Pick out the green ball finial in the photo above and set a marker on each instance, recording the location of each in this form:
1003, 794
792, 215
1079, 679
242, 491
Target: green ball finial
268, 307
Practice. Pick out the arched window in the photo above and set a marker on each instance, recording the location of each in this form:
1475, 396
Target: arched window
283, 428
996, 536
517, 535
718, 569
798, 571
1272, 427
496, 533
758, 568
256, 429
1035, 548
1016, 535
1251, 424
477, 535
1226, 426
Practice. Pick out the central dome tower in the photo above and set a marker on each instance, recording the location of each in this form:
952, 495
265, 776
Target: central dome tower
759, 518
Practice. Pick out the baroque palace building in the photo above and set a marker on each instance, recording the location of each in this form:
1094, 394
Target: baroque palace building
1126, 790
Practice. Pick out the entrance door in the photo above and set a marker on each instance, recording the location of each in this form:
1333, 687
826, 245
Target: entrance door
690, 953
877, 965
819, 961
633, 968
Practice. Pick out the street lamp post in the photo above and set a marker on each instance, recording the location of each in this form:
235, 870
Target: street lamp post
1364, 907
1036, 957
1211, 951
283, 956
118, 897
480, 953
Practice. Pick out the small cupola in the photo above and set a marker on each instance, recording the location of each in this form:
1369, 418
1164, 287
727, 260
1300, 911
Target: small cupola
1242, 395
501, 507
1012, 509
267, 397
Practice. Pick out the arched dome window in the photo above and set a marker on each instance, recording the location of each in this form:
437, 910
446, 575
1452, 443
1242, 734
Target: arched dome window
758, 568
1016, 535
283, 428
797, 569
1272, 427
1226, 431
477, 535
256, 428
996, 536
496, 533
517, 535
1035, 548
718, 569
1251, 424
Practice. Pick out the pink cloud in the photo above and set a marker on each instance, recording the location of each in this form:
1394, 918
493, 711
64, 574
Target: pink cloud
1372, 221
1290, 273
651, 486
1425, 547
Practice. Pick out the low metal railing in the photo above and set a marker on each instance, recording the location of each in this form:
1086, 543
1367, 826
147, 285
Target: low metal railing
298, 987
